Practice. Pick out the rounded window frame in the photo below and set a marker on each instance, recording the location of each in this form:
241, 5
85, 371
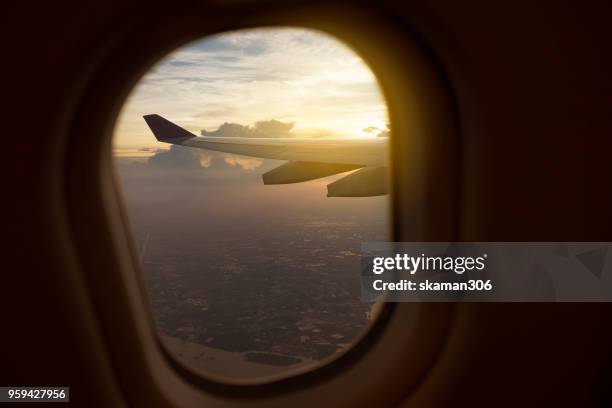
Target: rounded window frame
92, 156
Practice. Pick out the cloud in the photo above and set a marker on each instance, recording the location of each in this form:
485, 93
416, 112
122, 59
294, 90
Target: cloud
244, 163
178, 157
265, 128
239, 43
151, 149
385, 132
206, 160
178, 63
181, 159
273, 128
229, 130
378, 131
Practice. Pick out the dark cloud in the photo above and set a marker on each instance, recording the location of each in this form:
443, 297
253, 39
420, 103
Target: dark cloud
214, 44
224, 58
182, 79
247, 46
179, 63
266, 128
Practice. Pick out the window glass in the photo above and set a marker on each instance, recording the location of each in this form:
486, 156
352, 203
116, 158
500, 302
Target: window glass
253, 164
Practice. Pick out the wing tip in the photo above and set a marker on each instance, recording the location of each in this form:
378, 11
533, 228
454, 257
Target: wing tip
166, 131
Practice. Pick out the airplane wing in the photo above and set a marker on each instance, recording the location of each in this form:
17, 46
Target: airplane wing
308, 158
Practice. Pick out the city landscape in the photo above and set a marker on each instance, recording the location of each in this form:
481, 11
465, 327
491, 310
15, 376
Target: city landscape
279, 287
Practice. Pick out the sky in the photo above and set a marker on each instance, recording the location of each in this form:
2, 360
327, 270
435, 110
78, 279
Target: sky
296, 76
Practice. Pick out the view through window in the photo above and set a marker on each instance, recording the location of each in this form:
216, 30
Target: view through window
253, 164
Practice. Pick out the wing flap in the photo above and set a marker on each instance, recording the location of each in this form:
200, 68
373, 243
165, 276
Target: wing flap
367, 182
296, 172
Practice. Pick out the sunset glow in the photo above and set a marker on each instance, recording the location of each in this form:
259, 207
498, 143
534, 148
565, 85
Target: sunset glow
290, 75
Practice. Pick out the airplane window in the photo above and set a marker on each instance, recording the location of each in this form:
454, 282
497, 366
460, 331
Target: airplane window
253, 164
